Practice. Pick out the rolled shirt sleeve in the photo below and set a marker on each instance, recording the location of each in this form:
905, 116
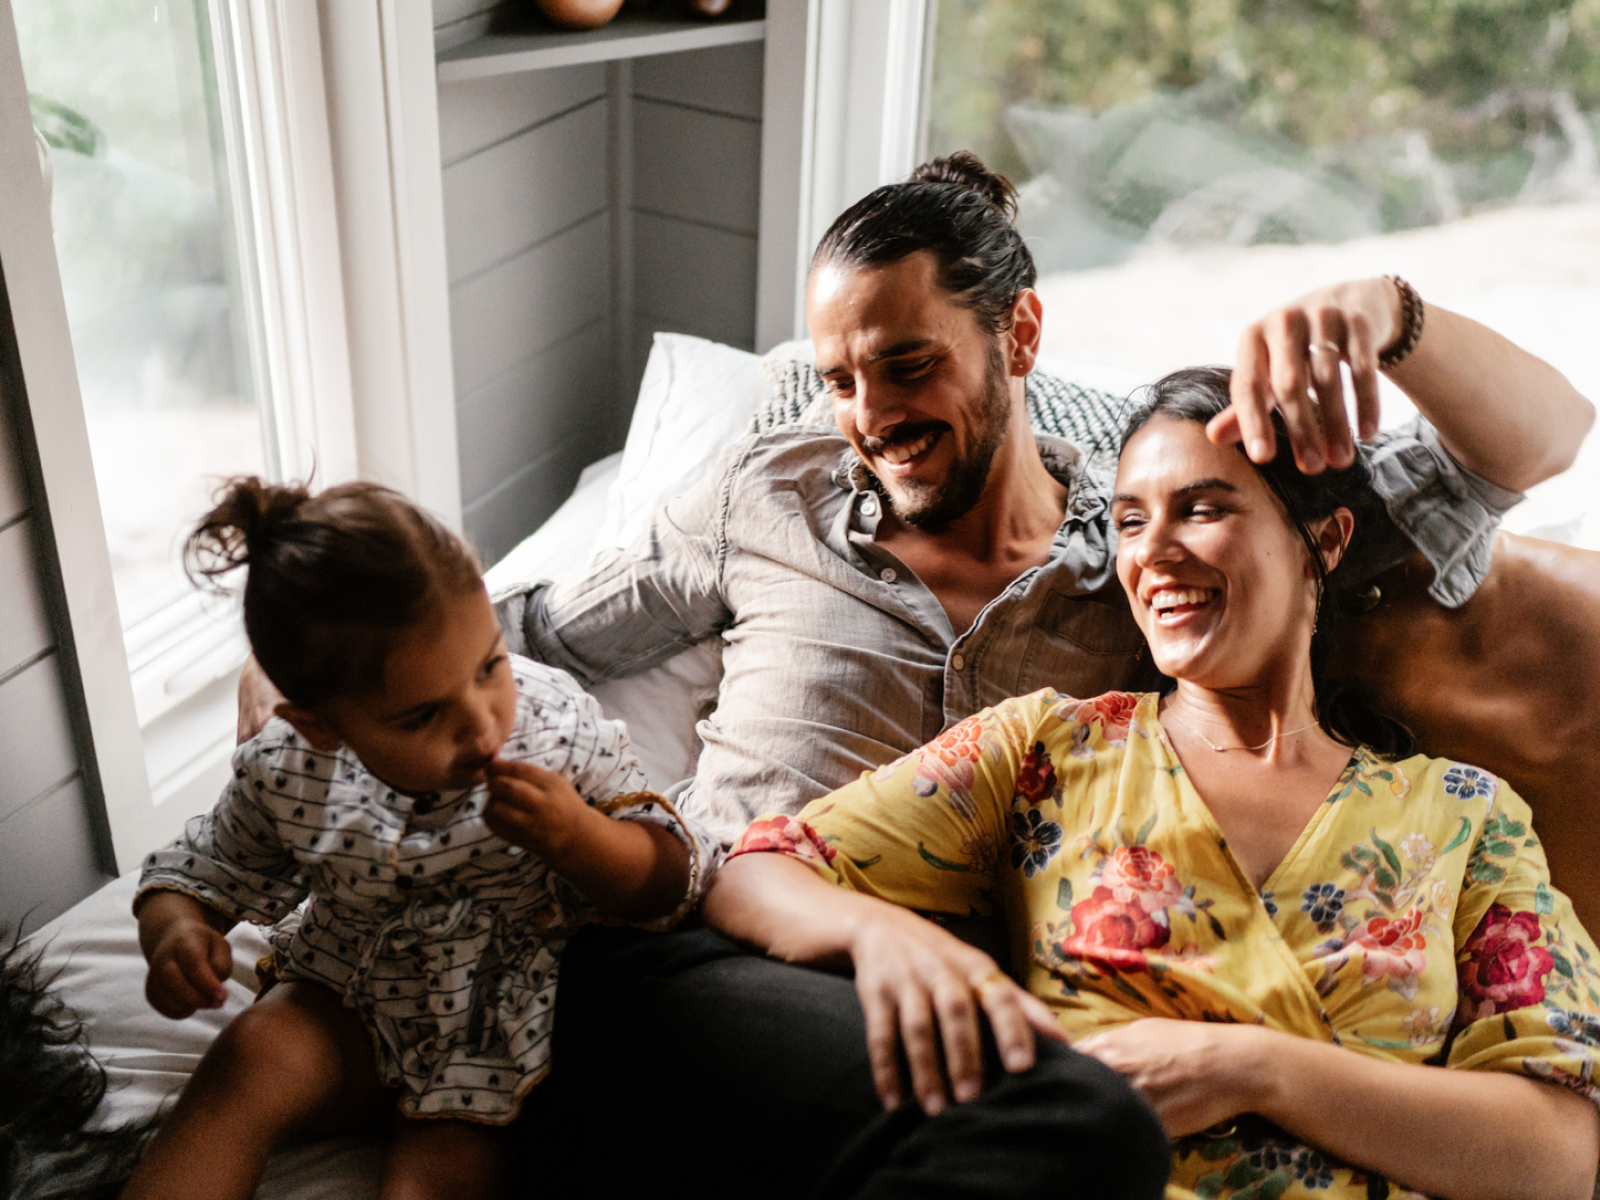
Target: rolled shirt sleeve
1445, 511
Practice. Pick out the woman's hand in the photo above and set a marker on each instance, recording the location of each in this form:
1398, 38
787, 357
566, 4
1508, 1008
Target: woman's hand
1193, 1073
921, 990
1503, 413
1289, 360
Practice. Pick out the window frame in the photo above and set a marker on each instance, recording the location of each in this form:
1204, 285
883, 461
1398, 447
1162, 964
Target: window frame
371, 398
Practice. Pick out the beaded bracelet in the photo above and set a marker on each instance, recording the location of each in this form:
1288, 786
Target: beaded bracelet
1411, 314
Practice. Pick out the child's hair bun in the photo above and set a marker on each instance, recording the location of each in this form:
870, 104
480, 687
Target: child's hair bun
248, 514
966, 169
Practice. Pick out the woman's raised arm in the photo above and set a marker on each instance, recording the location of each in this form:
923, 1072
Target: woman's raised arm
1504, 413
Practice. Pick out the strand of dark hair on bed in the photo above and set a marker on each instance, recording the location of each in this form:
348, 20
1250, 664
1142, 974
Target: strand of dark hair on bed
53, 1086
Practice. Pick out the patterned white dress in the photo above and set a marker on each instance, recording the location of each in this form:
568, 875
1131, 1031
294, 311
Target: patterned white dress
445, 938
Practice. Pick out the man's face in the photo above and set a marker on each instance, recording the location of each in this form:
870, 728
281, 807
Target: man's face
919, 389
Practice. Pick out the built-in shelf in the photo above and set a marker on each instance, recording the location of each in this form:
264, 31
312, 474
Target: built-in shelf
629, 35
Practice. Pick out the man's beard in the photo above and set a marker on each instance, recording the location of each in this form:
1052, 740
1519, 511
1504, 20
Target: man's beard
930, 504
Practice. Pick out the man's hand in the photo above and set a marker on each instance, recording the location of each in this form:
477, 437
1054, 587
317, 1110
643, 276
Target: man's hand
533, 808
1289, 360
258, 700
1193, 1073
922, 989
190, 960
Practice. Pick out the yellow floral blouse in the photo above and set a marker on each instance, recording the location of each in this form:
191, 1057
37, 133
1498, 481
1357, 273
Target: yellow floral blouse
1412, 920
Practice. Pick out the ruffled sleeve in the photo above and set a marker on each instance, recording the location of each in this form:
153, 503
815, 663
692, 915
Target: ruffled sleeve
1528, 974
928, 831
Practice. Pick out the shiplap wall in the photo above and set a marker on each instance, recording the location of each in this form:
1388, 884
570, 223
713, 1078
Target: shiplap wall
585, 208
49, 857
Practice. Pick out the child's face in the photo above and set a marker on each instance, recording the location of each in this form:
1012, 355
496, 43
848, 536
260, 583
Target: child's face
446, 705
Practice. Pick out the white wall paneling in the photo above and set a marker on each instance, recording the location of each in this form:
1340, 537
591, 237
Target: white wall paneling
585, 207
480, 112
38, 879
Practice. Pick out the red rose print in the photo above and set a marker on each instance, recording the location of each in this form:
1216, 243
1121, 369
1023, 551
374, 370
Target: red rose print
1036, 779
1138, 875
959, 743
1395, 950
785, 835
1501, 969
1112, 931
1114, 711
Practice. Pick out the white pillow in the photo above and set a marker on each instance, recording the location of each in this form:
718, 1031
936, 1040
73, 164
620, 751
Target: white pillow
696, 397
92, 950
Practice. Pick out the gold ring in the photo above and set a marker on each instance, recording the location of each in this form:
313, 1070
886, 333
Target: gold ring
1327, 347
994, 977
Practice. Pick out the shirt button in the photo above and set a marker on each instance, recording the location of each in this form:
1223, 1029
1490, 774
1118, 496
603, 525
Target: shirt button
958, 663
869, 507
888, 575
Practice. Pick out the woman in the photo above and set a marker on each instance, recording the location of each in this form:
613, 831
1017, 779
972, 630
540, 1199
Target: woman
1246, 896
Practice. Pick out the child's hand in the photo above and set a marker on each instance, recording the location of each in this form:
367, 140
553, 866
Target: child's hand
190, 960
531, 807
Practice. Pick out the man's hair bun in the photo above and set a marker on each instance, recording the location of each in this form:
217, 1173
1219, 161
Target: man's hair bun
966, 169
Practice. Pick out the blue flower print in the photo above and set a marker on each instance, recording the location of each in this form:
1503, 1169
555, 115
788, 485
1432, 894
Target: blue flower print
1034, 841
1469, 783
1322, 902
1312, 1170
1580, 1027
1270, 901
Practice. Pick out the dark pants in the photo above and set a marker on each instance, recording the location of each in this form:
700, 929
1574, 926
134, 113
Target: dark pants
685, 1065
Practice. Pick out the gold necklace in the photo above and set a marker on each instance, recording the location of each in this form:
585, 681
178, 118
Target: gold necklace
1221, 749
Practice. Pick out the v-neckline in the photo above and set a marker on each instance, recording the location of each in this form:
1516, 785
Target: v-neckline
1307, 832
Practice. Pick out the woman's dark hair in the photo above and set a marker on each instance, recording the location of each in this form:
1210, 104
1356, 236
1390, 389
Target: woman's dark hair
959, 211
1343, 708
333, 578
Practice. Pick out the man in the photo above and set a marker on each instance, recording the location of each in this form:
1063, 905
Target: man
873, 586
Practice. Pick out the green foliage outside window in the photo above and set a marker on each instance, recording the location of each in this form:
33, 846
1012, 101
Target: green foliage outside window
1395, 113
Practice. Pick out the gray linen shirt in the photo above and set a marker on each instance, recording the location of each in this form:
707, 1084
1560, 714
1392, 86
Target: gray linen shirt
837, 659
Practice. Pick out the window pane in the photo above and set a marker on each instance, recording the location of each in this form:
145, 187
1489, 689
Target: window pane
125, 93
1188, 164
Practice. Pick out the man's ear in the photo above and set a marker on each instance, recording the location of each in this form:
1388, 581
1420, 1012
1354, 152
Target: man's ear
1333, 539
309, 726
1027, 328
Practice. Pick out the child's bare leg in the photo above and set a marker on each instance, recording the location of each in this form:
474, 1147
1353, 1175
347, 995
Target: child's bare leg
297, 1060
444, 1160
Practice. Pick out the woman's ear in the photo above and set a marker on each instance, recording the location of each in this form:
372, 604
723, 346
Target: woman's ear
309, 726
1333, 539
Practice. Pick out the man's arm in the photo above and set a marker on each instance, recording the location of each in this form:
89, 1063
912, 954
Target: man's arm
639, 606
1501, 412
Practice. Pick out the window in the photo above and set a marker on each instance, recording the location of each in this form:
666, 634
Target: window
1187, 164
196, 238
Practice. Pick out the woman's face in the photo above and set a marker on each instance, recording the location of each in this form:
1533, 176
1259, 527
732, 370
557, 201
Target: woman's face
1219, 580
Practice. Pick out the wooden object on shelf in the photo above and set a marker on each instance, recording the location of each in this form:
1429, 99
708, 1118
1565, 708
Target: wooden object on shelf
580, 14
533, 43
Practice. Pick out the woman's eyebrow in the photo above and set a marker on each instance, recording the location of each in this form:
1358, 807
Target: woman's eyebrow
1211, 483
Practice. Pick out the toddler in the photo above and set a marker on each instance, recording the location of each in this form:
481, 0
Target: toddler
453, 815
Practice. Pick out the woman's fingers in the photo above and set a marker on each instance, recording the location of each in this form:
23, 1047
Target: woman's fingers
1329, 341
957, 1011
883, 1042
1252, 401
920, 1040
1011, 1018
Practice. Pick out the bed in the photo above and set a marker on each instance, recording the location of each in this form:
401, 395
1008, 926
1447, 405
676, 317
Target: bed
696, 397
